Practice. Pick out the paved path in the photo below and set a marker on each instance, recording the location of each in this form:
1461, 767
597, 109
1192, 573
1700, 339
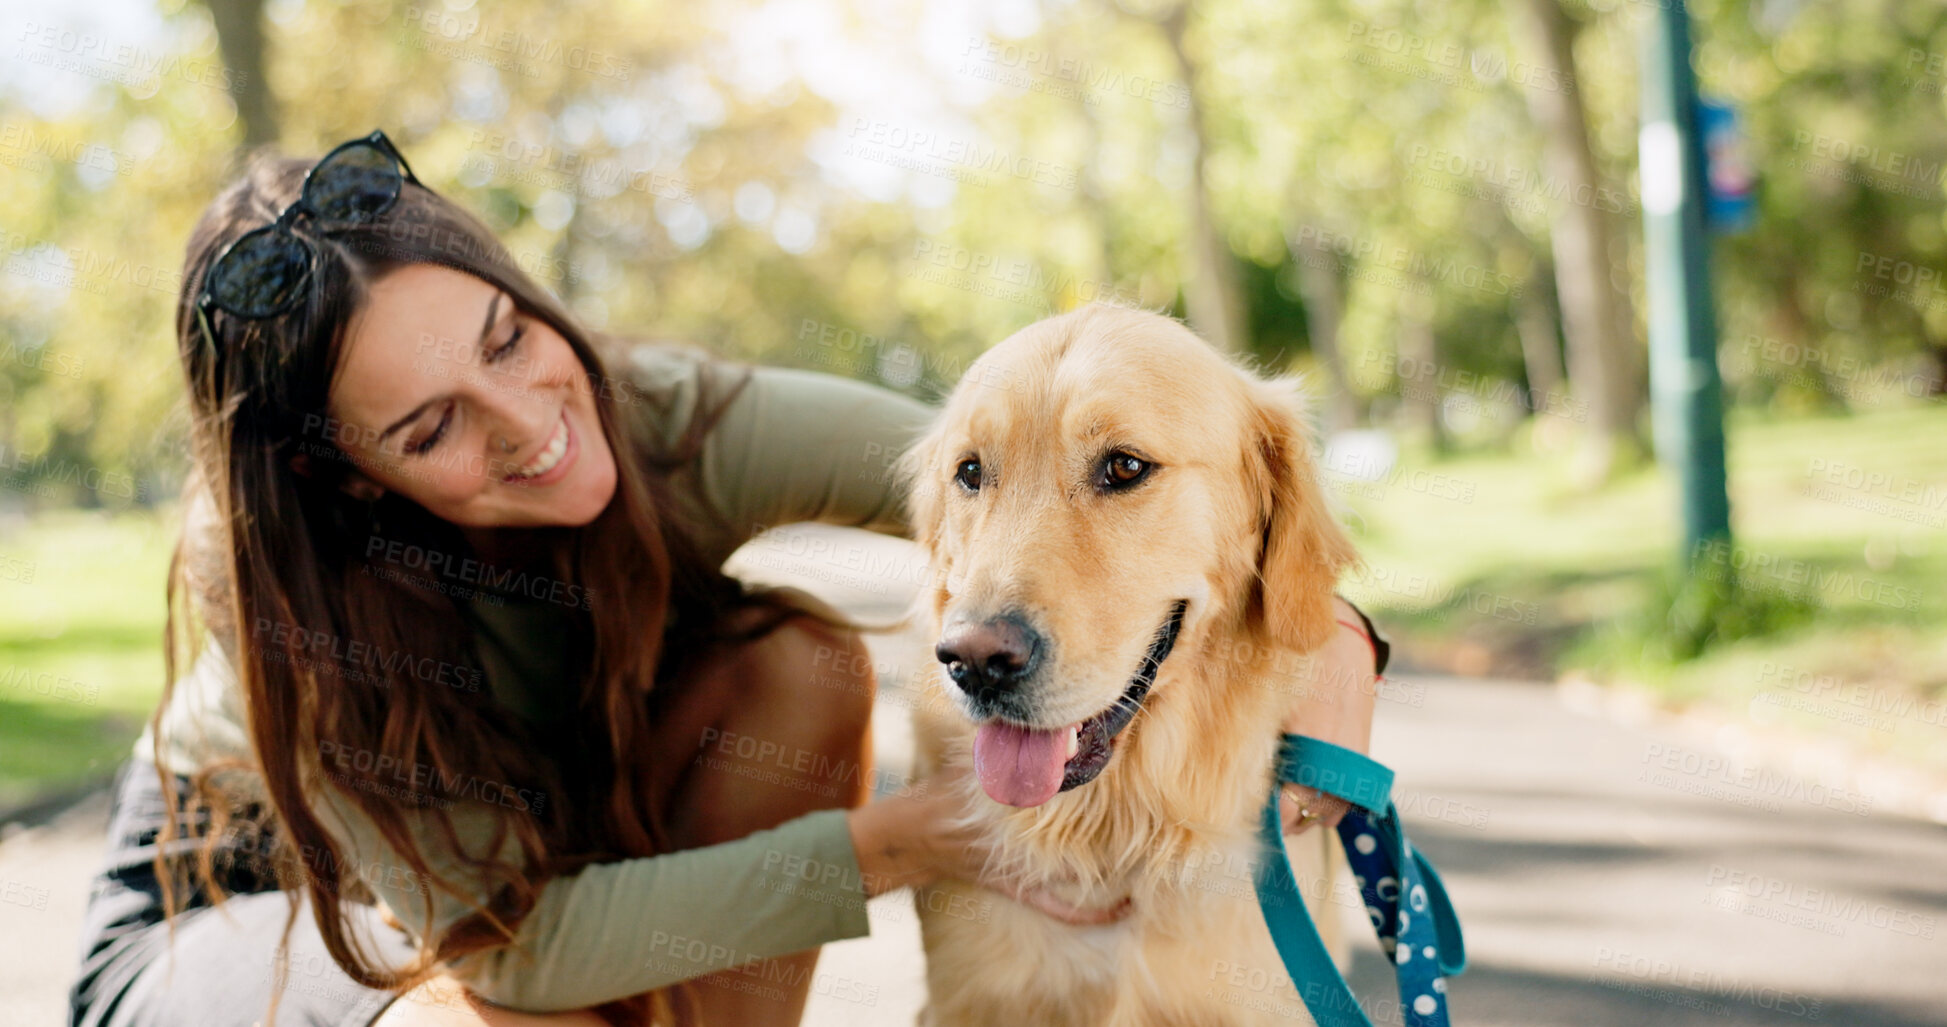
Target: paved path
1608, 875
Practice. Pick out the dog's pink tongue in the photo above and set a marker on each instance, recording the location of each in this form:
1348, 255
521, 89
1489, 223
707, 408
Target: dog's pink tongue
1018, 765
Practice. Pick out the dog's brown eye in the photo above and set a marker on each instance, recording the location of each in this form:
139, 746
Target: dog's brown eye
968, 475
1123, 469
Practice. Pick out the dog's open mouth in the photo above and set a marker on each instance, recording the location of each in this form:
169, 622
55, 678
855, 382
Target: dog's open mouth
1025, 766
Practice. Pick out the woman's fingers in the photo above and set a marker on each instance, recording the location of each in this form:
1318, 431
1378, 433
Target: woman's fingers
1064, 911
1299, 808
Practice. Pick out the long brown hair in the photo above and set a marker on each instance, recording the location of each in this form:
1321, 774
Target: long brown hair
290, 548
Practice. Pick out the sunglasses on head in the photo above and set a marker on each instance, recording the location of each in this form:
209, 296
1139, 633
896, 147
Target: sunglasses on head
264, 272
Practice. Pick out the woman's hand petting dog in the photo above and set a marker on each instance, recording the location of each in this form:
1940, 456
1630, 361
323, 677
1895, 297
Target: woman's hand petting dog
919, 837
1334, 704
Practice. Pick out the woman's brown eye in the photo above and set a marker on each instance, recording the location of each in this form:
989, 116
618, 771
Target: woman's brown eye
1122, 469
968, 475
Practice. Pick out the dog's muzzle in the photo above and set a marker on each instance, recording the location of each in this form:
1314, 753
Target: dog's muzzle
1019, 764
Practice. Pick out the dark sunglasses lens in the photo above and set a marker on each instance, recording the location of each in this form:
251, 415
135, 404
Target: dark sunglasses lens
261, 274
354, 184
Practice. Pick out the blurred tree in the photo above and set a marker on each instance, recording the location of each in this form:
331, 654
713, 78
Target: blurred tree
711, 173
1605, 363
1211, 292
240, 34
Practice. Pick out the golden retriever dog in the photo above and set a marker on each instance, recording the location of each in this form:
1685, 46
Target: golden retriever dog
1129, 555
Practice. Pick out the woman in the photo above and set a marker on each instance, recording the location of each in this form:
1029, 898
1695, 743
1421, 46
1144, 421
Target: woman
469, 653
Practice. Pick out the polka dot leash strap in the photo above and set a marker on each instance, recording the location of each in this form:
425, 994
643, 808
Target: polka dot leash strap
1403, 895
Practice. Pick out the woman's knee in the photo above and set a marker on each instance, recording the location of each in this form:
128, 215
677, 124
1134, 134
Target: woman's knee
828, 666
809, 668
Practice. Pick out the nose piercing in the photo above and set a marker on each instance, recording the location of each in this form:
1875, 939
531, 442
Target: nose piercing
506, 446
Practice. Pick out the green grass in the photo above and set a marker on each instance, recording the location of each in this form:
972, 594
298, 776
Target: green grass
1842, 630
81, 613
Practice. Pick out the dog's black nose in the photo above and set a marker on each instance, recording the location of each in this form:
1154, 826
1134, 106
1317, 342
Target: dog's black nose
989, 656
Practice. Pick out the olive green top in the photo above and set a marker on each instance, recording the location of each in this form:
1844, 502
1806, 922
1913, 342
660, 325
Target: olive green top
792, 446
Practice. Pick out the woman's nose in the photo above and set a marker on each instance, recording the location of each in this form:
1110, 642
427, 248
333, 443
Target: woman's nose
522, 416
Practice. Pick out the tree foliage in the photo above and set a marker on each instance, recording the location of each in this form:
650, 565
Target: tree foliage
885, 190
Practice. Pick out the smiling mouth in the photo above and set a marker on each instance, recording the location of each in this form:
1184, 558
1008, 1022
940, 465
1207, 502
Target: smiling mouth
548, 458
1025, 766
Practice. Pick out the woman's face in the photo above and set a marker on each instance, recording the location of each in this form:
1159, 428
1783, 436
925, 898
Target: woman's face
474, 410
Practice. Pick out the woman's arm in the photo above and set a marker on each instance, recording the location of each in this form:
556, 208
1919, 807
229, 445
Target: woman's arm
808, 446
1333, 701
621, 928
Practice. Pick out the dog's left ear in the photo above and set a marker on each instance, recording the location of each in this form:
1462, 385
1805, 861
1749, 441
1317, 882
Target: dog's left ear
915, 474
1303, 549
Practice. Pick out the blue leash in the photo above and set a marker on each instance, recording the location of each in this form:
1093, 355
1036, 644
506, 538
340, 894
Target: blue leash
1422, 937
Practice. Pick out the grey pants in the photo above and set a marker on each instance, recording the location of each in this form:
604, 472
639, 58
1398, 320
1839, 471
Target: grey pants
217, 971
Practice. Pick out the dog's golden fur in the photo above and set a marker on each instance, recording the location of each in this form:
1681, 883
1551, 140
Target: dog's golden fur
1232, 520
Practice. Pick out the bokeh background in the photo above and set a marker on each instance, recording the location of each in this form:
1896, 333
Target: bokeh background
1431, 209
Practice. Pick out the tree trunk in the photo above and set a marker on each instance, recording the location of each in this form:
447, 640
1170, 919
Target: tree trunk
1605, 368
1323, 293
1419, 352
1210, 292
240, 37
1541, 351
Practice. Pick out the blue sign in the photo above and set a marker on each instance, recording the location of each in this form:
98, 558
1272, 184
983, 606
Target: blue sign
1728, 174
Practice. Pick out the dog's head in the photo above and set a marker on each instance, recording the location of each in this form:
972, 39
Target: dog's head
1104, 489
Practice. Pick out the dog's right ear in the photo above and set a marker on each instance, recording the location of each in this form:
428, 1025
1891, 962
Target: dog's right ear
916, 474
1303, 548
